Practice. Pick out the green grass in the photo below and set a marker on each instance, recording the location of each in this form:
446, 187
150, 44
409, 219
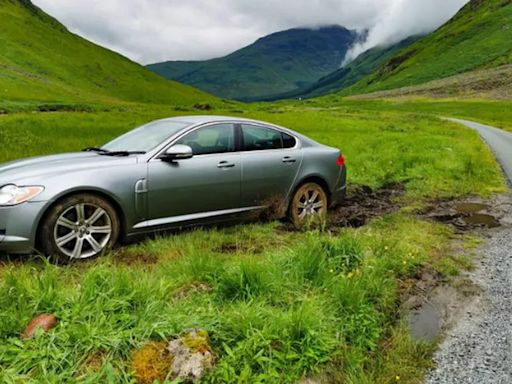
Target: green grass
492, 112
433, 157
477, 37
285, 311
41, 61
279, 306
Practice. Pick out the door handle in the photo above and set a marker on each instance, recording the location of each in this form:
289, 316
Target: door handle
225, 164
288, 159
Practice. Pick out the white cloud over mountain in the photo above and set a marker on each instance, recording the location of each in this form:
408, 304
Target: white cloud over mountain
156, 30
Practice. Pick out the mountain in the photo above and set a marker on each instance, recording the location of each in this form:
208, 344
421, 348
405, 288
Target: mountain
350, 74
479, 37
40, 60
278, 63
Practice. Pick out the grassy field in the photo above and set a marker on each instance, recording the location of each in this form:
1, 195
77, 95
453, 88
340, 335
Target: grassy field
491, 112
277, 305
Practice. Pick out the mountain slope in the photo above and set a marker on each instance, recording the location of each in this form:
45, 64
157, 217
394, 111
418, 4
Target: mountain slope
40, 60
281, 62
478, 37
362, 66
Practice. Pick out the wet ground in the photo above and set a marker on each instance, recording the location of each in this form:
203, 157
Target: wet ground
364, 203
465, 215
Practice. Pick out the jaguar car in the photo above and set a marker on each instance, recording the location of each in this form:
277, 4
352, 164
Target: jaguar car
167, 174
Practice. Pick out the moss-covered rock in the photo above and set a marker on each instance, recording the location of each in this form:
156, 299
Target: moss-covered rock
193, 356
187, 357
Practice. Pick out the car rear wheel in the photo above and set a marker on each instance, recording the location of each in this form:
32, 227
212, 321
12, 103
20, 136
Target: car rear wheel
308, 203
79, 227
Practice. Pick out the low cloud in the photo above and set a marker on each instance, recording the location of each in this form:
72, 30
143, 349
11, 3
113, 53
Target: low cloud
404, 18
157, 30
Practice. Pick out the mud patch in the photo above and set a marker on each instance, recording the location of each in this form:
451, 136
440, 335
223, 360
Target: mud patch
363, 204
434, 310
239, 248
431, 304
128, 256
425, 322
464, 215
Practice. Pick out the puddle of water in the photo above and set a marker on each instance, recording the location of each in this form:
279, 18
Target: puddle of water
482, 219
470, 207
425, 322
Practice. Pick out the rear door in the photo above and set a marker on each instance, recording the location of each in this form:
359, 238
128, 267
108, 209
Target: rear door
270, 163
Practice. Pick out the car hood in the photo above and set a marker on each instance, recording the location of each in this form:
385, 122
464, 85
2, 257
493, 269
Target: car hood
33, 170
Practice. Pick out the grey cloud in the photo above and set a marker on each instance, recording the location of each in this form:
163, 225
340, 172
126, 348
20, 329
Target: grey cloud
156, 30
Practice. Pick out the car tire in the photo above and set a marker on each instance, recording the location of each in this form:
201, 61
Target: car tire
78, 227
308, 203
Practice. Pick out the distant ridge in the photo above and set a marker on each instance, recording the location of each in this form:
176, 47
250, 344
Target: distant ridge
281, 62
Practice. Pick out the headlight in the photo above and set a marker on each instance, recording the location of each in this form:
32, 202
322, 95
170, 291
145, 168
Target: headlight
12, 194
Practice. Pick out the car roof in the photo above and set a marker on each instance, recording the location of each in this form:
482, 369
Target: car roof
194, 120
201, 119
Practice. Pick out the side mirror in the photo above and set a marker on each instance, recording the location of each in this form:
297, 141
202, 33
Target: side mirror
177, 152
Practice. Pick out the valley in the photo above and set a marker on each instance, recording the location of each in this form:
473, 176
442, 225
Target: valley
324, 304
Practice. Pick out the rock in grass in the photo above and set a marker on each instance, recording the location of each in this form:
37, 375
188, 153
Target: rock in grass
193, 356
186, 358
44, 321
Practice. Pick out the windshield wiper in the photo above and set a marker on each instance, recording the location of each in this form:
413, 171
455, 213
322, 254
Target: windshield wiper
120, 153
106, 152
94, 149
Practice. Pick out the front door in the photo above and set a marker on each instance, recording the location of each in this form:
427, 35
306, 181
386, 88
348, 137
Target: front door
206, 185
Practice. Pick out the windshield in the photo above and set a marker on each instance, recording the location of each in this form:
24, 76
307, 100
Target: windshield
145, 138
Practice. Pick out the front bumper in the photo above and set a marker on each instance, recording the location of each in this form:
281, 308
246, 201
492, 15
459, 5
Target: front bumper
18, 227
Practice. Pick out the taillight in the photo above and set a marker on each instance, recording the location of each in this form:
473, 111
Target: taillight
340, 161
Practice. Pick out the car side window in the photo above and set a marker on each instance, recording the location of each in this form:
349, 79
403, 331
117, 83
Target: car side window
288, 141
219, 138
256, 138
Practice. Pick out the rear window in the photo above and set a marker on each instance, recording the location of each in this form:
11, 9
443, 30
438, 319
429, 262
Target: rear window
288, 141
256, 138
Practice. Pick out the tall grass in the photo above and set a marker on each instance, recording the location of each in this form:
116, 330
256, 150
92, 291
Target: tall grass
276, 316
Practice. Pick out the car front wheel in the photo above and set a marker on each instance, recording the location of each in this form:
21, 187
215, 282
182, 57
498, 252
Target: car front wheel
308, 203
79, 227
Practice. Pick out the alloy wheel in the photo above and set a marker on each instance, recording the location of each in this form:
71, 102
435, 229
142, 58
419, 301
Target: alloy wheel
82, 231
309, 201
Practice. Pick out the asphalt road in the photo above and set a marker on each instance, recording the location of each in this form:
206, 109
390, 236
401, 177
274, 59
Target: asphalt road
499, 140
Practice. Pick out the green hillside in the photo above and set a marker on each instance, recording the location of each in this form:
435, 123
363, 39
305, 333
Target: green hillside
363, 66
478, 37
343, 77
40, 60
278, 63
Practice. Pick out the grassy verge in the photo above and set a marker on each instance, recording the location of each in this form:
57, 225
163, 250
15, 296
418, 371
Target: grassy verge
278, 305
491, 112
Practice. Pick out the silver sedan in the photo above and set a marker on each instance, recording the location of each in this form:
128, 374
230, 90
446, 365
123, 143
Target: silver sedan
166, 174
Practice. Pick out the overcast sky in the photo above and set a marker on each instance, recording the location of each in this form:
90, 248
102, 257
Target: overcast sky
148, 31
